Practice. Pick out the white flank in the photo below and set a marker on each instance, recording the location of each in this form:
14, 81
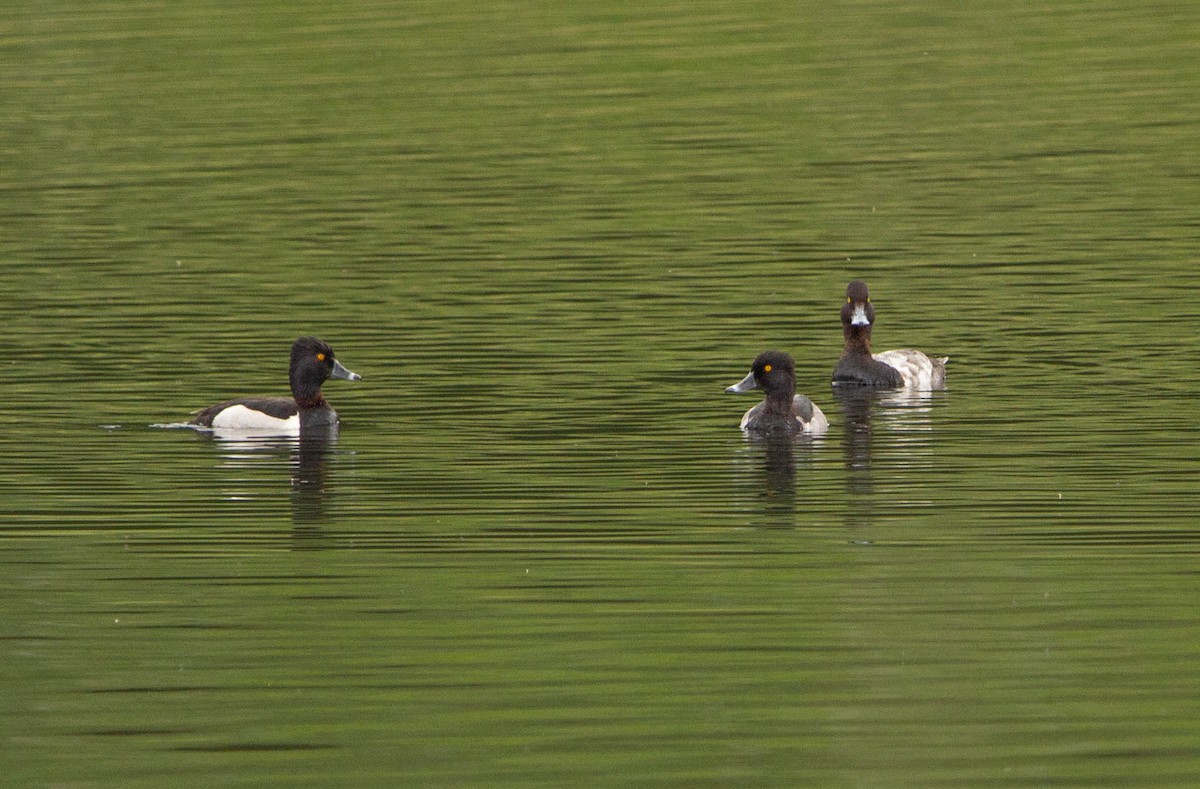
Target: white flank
915, 367
239, 417
818, 424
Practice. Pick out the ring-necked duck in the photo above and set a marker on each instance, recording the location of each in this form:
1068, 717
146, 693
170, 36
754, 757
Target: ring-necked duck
888, 369
782, 412
312, 364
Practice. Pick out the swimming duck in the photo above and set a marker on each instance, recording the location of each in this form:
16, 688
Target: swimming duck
887, 369
312, 364
782, 412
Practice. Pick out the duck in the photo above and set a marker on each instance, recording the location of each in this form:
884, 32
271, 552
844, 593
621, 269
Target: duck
889, 369
782, 411
312, 364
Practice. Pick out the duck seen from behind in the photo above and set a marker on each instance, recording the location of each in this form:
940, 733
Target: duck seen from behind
782, 411
889, 369
312, 364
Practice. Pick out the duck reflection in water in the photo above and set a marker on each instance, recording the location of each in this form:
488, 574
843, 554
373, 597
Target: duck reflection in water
311, 487
765, 477
775, 423
779, 473
306, 461
856, 403
878, 423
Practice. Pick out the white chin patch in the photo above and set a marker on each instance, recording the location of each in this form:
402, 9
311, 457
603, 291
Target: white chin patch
859, 318
239, 417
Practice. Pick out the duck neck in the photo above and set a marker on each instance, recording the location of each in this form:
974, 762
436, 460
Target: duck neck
779, 401
858, 339
307, 392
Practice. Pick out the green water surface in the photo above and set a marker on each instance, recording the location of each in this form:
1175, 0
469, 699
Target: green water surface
548, 235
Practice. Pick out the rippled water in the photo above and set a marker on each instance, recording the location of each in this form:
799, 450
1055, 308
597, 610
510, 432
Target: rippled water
540, 551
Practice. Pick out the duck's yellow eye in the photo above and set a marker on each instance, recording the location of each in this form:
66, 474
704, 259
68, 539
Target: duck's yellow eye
849, 300
766, 368
320, 357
